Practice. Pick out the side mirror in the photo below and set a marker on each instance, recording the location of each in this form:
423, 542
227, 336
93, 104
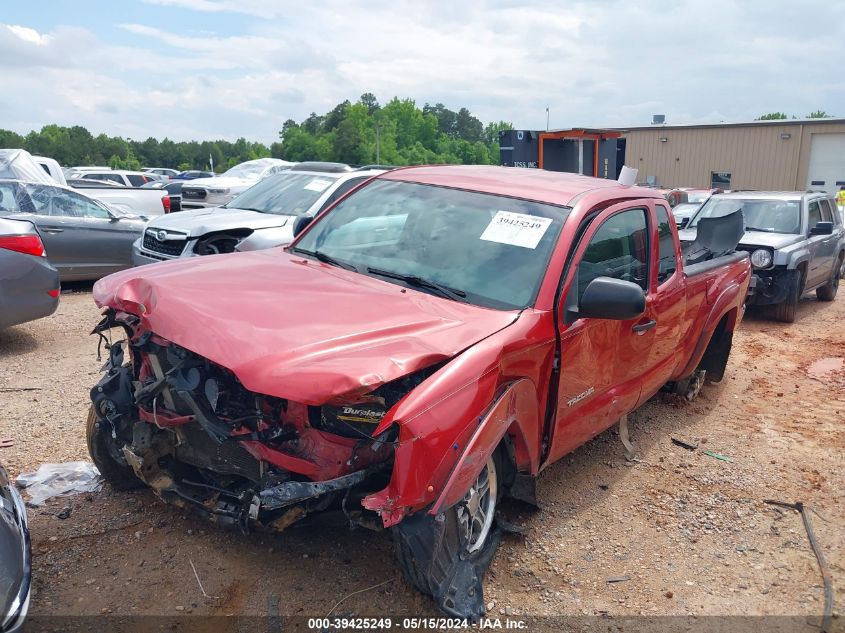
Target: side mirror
300, 223
822, 228
682, 223
608, 298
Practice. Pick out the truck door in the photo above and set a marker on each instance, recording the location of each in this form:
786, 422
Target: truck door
603, 362
827, 246
665, 303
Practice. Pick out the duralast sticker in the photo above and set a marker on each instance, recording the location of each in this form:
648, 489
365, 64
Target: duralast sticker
516, 229
317, 184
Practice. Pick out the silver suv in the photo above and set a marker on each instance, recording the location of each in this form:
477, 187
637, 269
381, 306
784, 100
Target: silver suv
796, 241
265, 215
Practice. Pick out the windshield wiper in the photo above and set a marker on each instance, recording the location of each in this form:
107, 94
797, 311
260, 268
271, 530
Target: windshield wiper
420, 282
326, 259
756, 228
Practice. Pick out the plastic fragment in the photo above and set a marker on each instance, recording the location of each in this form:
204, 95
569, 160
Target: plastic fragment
58, 480
724, 458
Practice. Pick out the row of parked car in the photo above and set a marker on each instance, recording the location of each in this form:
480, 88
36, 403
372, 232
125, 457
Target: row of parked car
424, 348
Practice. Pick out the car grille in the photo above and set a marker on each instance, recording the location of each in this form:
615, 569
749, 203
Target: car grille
172, 248
192, 193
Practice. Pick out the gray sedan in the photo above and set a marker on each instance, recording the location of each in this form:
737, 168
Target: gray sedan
29, 285
85, 238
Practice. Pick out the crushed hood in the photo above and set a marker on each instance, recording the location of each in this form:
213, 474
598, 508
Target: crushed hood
295, 328
197, 222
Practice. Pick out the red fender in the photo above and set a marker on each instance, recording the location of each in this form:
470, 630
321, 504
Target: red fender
515, 408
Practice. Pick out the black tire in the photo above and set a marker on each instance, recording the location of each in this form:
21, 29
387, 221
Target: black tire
828, 291
101, 448
785, 312
429, 551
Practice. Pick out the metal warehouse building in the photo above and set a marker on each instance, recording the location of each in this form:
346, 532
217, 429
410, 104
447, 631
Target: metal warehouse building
781, 155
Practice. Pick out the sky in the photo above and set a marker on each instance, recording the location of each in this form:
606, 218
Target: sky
208, 69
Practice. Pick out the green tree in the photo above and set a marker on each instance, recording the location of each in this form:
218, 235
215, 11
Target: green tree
819, 114
772, 116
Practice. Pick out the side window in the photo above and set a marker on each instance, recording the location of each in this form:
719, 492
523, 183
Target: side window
136, 180
815, 214
667, 264
66, 205
619, 249
342, 188
827, 216
88, 208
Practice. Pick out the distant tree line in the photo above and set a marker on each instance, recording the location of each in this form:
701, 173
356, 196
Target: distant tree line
364, 132
777, 116
397, 133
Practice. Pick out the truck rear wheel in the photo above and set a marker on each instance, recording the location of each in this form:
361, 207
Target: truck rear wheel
104, 453
785, 312
828, 291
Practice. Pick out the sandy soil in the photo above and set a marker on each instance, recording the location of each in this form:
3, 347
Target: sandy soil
682, 532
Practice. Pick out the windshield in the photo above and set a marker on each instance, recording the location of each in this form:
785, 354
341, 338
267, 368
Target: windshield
289, 193
697, 196
492, 250
685, 209
247, 170
770, 216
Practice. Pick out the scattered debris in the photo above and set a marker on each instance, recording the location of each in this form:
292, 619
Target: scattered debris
604, 486
508, 527
58, 480
354, 593
64, 514
626, 441
614, 579
6, 442
811, 536
723, 458
683, 444
196, 575
14, 389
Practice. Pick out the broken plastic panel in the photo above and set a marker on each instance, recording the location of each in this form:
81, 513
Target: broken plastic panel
59, 480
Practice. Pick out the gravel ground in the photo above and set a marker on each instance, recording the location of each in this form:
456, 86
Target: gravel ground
680, 532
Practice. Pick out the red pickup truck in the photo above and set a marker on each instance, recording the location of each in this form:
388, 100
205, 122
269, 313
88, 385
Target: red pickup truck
424, 348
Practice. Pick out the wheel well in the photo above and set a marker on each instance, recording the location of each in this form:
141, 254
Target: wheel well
715, 358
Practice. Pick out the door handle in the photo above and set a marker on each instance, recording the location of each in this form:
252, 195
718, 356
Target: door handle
52, 230
642, 328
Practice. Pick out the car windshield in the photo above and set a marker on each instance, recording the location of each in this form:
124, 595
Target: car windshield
770, 216
289, 193
247, 170
697, 196
485, 249
685, 209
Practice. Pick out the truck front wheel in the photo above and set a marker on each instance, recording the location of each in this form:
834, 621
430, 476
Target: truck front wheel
104, 453
445, 556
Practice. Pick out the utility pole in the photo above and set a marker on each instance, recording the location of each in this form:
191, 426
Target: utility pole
547, 118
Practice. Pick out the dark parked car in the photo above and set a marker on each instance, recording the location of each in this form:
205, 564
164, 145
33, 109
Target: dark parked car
29, 285
15, 557
85, 238
174, 189
193, 174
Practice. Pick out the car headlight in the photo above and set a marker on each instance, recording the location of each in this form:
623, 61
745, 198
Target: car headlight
218, 191
761, 258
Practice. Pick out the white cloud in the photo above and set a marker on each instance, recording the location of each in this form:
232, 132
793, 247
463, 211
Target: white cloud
594, 64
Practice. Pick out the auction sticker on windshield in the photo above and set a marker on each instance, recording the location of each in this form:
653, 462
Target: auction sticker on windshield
516, 229
317, 184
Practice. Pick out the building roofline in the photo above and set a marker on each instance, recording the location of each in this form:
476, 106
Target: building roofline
830, 120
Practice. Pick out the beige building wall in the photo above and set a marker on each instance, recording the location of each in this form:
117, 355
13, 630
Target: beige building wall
755, 155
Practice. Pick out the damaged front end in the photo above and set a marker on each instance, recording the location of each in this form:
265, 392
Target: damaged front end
186, 427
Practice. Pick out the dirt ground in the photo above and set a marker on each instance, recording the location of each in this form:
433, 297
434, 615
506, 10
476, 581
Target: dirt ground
679, 532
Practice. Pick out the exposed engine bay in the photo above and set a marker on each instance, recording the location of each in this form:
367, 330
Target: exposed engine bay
190, 430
